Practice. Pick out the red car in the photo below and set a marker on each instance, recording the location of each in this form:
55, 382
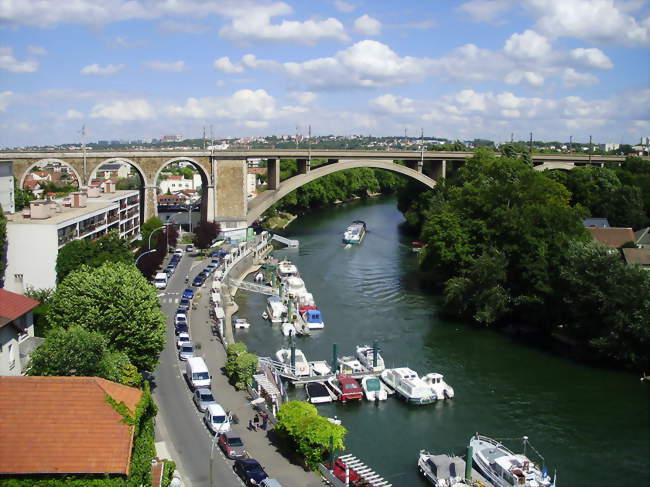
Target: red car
232, 445
348, 388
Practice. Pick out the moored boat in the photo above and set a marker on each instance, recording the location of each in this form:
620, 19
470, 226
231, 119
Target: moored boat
365, 354
438, 385
312, 317
350, 365
355, 232
408, 384
288, 329
373, 389
275, 309
441, 470
318, 393
346, 388
241, 323
504, 468
301, 365
286, 268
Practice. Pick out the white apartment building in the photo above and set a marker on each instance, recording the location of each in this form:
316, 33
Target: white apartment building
35, 236
174, 184
7, 186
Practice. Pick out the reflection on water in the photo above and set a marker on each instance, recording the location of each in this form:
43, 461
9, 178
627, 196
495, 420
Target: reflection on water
593, 425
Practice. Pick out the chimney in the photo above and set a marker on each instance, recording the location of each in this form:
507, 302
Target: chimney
40, 210
93, 191
109, 187
78, 200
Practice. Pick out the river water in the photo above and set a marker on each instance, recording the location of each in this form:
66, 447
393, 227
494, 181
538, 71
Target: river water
593, 425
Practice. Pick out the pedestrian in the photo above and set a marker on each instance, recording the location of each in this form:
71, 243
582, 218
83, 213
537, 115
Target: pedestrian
256, 420
265, 420
251, 426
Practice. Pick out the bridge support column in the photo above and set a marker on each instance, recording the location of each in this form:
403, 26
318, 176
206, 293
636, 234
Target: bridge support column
416, 165
332, 161
438, 170
273, 173
208, 204
304, 166
150, 202
231, 198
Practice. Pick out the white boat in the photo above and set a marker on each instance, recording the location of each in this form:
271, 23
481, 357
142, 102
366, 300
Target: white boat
275, 309
408, 384
365, 356
313, 318
438, 385
294, 287
286, 269
504, 468
350, 365
373, 389
320, 367
259, 277
441, 470
289, 329
301, 365
241, 323
318, 393
355, 232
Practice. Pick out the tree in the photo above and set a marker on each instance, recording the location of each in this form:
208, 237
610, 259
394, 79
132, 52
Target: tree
116, 300
107, 248
79, 352
148, 228
22, 197
205, 233
240, 365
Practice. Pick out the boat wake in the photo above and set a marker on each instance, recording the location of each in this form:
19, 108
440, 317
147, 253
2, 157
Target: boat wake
347, 246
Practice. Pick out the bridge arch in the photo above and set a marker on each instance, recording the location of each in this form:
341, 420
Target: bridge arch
133, 164
264, 201
46, 160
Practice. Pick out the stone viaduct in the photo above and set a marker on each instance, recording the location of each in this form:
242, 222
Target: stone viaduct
223, 173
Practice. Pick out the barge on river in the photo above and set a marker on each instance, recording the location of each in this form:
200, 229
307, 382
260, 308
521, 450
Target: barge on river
355, 232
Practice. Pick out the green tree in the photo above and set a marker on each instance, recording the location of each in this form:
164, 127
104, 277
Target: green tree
240, 365
80, 352
116, 300
22, 197
148, 228
107, 248
43, 296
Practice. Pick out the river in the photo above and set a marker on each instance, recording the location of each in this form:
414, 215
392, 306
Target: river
592, 424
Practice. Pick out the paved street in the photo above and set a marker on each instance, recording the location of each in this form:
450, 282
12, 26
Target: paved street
180, 423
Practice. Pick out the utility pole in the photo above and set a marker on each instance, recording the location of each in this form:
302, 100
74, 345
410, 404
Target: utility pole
512, 137
570, 144
83, 148
591, 149
310, 146
530, 144
421, 148
204, 137
297, 136
405, 138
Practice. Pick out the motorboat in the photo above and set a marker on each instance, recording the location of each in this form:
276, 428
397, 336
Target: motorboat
373, 389
438, 385
289, 329
241, 323
365, 355
318, 393
504, 468
294, 287
441, 470
301, 365
320, 367
408, 384
346, 388
350, 365
355, 232
312, 317
286, 268
275, 309
259, 277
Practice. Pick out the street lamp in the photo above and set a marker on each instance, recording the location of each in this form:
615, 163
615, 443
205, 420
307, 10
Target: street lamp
144, 253
154, 231
214, 441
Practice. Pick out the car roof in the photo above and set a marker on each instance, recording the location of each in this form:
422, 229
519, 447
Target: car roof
183, 334
216, 409
248, 461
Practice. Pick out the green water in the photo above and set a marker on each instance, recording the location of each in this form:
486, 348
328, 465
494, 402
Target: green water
593, 425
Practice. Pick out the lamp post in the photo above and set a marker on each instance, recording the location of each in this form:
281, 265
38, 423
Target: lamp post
143, 253
154, 231
214, 441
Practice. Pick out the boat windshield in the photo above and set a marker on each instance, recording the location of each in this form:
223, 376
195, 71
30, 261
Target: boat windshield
373, 385
349, 386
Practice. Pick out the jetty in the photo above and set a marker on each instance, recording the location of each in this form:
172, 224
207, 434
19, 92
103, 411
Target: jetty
349, 471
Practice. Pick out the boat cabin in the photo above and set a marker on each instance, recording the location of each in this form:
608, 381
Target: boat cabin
349, 388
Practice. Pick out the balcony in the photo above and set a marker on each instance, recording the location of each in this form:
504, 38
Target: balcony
86, 229
65, 238
113, 218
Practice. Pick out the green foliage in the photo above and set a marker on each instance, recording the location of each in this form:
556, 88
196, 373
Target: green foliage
147, 228
240, 365
310, 433
168, 473
22, 197
107, 248
43, 296
130, 183
116, 300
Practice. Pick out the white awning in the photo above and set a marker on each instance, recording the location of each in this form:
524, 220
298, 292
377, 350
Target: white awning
218, 312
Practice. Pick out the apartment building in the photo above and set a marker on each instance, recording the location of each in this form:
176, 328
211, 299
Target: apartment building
35, 235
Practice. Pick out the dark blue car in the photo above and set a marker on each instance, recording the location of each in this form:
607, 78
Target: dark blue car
198, 281
184, 304
181, 328
188, 293
250, 471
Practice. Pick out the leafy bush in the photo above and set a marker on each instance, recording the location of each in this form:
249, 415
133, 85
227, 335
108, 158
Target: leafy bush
240, 365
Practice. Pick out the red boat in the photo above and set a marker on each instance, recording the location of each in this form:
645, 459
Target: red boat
346, 388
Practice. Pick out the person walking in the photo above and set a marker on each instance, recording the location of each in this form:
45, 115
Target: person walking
265, 420
251, 426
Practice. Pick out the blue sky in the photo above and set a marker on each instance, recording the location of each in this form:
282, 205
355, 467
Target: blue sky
130, 69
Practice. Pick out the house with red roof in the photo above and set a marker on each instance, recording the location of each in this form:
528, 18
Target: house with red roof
612, 237
17, 340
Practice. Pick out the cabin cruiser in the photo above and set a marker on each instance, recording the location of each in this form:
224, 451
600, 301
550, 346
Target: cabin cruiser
302, 366
289, 329
275, 309
286, 269
241, 323
312, 317
504, 468
294, 287
355, 232
441, 470
373, 389
350, 365
365, 356
346, 388
320, 367
318, 393
438, 385
408, 384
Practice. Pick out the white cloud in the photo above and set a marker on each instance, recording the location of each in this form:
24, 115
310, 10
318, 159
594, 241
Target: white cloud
220, 83
97, 70
591, 58
573, 79
303, 97
73, 114
396, 105
528, 45
253, 24
172, 66
125, 42
533, 79
124, 111
484, 10
367, 25
343, 6
225, 65
9, 63
37, 50
5, 99
176, 27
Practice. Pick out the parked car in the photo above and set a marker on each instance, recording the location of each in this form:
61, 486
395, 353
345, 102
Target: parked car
186, 350
210, 268
232, 445
189, 248
250, 471
181, 329
215, 262
182, 338
184, 304
181, 317
188, 293
178, 252
203, 397
270, 483
216, 419
198, 281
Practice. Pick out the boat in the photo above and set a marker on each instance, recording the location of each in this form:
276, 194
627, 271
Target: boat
441, 470
312, 317
346, 388
301, 365
259, 277
294, 287
318, 393
275, 309
408, 384
265, 315
438, 385
504, 468
373, 389
289, 329
286, 268
350, 365
320, 367
241, 323
365, 355
355, 232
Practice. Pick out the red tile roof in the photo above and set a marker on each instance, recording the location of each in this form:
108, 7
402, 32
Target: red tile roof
54, 425
14, 305
612, 237
637, 256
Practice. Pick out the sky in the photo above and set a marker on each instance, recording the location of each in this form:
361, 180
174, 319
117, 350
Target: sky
134, 69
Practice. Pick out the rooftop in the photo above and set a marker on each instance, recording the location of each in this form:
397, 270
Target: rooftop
637, 256
613, 237
14, 305
55, 425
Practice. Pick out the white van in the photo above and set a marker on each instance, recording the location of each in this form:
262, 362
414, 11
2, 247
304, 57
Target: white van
216, 419
160, 281
197, 373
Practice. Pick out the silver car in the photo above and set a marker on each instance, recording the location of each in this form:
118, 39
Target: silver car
203, 397
186, 350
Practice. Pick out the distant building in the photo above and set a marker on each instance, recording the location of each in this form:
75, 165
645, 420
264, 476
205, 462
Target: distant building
612, 237
609, 146
173, 199
17, 339
596, 222
7, 186
642, 238
171, 138
640, 257
113, 169
175, 183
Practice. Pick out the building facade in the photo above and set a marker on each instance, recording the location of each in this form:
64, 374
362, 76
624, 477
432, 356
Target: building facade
17, 338
35, 236
7, 186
